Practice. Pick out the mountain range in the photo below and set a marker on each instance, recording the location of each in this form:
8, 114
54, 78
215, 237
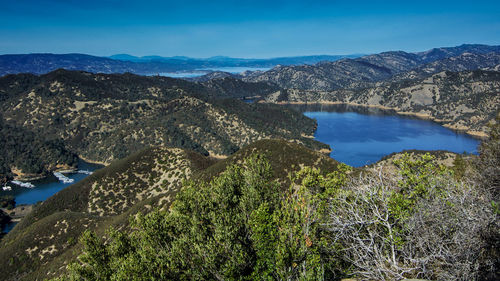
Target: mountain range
150, 65
355, 73
103, 117
162, 138
327, 71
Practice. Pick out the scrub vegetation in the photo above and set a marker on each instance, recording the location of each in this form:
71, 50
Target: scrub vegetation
424, 223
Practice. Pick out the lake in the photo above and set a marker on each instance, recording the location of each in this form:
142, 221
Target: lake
44, 188
203, 71
361, 136
237, 69
357, 135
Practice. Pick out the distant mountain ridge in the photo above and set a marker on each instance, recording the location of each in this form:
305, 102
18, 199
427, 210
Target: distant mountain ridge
321, 72
45, 63
149, 65
439, 53
229, 61
464, 101
348, 73
463, 62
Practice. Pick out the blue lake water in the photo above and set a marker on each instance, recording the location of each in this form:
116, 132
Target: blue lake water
237, 69
358, 136
201, 72
361, 136
44, 188
8, 227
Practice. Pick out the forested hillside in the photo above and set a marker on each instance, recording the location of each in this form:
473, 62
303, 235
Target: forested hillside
358, 72
106, 117
45, 241
274, 210
425, 222
465, 101
29, 154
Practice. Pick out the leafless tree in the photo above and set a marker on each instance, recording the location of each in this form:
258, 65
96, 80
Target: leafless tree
440, 240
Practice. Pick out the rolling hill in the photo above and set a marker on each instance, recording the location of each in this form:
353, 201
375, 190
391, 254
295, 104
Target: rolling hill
465, 101
102, 117
355, 73
45, 241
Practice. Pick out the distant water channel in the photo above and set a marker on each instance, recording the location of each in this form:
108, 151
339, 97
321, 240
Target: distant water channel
44, 188
361, 136
203, 71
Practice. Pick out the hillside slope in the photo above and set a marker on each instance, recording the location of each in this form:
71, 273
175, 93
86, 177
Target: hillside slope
465, 101
51, 230
44, 241
43, 244
355, 73
106, 117
230, 87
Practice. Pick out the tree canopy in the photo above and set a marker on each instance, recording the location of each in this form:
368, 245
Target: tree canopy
242, 226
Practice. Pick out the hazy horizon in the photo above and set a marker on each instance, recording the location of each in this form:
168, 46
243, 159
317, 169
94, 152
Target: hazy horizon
224, 56
180, 55
243, 29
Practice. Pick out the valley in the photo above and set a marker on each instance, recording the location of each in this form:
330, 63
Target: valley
249, 140
102, 118
190, 165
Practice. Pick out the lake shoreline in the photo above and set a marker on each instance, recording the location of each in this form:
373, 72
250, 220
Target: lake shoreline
65, 170
363, 136
27, 198
92, 161
475, 134
33, 177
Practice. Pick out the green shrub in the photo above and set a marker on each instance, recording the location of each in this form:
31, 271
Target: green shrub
237, 226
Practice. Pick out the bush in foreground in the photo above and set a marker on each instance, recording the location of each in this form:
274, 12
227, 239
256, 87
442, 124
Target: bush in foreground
242, 226
424, 225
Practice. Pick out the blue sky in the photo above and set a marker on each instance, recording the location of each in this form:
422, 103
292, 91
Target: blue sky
242, 28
